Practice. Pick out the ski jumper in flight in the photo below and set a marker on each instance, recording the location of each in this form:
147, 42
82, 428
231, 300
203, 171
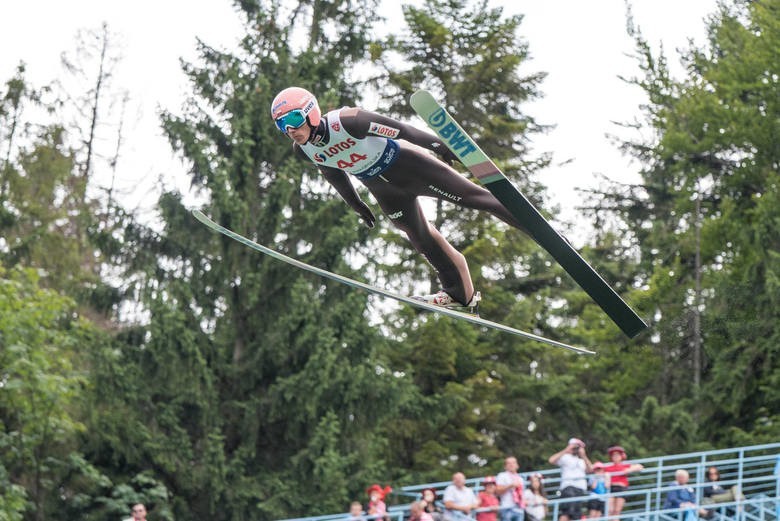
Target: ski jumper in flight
379, 152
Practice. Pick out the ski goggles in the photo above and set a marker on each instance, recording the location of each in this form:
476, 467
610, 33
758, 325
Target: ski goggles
293, 119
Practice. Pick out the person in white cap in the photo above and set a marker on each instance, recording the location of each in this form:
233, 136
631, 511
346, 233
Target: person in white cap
575, 465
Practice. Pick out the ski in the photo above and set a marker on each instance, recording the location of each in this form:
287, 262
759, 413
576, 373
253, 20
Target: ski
491, 177
474, 319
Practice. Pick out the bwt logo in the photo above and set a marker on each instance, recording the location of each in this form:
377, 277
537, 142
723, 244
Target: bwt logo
438, 118
459, 142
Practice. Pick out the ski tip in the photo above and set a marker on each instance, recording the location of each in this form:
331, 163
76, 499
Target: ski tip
419, 96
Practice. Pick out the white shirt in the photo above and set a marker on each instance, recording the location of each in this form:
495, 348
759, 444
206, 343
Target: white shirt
463, 497
507, 478
534, 504
572, 472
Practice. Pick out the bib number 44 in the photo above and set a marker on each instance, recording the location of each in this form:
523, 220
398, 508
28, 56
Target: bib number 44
354, 158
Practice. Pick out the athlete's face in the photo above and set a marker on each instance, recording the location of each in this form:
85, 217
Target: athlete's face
300, 135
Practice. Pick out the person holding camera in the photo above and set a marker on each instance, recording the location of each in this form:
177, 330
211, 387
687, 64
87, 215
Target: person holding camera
575, 465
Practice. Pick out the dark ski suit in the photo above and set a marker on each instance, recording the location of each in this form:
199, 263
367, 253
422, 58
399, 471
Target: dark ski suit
366, 145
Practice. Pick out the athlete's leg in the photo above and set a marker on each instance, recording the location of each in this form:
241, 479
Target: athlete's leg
423, 174
405, 212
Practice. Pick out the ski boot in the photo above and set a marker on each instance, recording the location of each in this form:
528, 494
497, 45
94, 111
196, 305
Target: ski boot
443, 299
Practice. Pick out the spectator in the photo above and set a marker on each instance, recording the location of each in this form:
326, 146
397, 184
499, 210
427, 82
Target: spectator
683, 496
488, 500
429, 504
599, 487
574, 464
376, 507
355, 511
138, 513
509, 487
715, 493
417, 512
618, 472
535, 499
459, 500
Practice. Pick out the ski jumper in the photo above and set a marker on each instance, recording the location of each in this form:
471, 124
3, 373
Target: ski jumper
376, 150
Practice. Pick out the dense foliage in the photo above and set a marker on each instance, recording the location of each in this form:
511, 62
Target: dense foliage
166, 364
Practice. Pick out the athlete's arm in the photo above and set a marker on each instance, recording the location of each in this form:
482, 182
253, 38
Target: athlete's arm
362, 123
339, 180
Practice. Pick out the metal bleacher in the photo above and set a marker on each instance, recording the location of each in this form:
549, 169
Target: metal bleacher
755, 470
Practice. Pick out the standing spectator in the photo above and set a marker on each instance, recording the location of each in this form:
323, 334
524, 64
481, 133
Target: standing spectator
599, 487
459, 500
417, 512
535, 499
488, 500
574, 464
618, 472
429, 504
509, 487
376, 507
355, 511
683, 496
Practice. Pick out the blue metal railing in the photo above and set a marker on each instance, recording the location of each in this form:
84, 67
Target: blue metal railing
754, 469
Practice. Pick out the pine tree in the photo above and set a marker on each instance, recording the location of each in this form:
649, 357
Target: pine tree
251, 377
700, 224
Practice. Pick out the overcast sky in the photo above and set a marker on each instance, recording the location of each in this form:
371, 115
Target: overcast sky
581, 45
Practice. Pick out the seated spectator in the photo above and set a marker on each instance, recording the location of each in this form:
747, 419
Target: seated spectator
535, 499
417, 512
376, 507
429, 504
355, 511
488, 500
574, 464
459, 500
715, 493
599, 488
618, 472
683, 496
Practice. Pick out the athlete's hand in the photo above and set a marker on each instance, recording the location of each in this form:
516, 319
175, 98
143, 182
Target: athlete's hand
366, 214
443, 151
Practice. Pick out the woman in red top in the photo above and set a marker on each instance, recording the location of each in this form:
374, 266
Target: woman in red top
488, 499
618, 472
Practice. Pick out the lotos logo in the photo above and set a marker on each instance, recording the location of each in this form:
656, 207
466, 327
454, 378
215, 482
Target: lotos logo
338, 147
383, 130
320, 157
438, 118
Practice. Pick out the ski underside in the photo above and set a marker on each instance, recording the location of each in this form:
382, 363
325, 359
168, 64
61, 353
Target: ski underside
474, 319
491, 177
